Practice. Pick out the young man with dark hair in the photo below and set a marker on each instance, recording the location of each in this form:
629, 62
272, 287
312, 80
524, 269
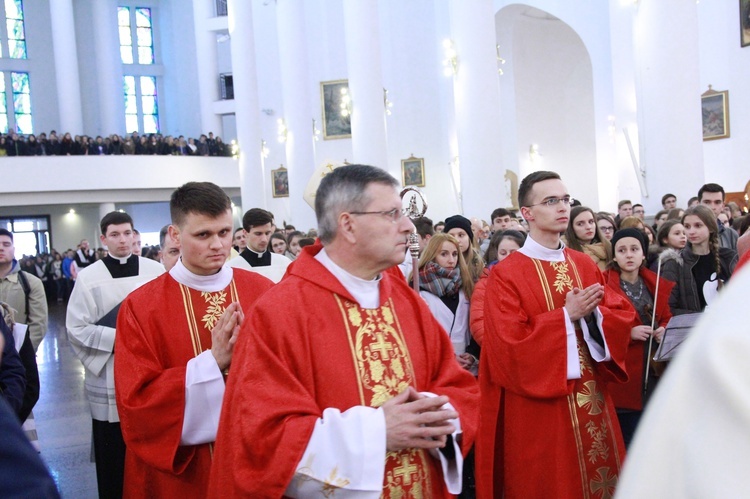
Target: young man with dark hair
639, 211
439, 227
258, 225
170, 249
501, 219
669, 201
693, 201
554, 338
239, 241
91, 323
175, 341
84, 255
351, 386
624, 210
137, 244
712, 195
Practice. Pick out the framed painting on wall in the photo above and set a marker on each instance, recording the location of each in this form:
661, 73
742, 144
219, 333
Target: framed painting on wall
715, 114
280, 182
337, 120
744, 23
412, 171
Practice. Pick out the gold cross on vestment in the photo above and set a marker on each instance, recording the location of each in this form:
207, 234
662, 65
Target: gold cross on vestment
381, 346
604, 483
590, 398
406, 470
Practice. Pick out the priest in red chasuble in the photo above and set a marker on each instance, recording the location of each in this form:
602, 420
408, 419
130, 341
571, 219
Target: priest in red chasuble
342, 383
174, 345
554, 338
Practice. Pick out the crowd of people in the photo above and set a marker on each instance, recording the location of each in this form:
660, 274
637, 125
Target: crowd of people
12, 144
544, 322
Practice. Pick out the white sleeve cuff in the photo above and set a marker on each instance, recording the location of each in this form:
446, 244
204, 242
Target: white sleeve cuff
346, 451
574, 365
204, 393
453, 468
598, 353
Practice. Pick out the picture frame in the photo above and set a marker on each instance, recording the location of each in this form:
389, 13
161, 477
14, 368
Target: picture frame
337, 122
715, 114
744, 23
280, 182
412, 171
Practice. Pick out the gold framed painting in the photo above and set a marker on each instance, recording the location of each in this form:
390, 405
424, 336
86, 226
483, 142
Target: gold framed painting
336, 104
412, 171
715, 114
280, 182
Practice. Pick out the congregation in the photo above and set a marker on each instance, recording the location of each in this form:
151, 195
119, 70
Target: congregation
544, 316
12, 144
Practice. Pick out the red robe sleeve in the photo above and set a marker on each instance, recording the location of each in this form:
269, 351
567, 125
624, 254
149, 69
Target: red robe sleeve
476, 317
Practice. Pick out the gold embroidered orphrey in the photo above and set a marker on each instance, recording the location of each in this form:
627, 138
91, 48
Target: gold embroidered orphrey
384, 369
215, 305
587, 404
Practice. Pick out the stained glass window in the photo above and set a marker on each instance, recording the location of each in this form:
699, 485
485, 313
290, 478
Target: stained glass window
141, 104
3, 105
22, 102
131, 104
149, 104
144, 35
14, 25
139, 28
126, 40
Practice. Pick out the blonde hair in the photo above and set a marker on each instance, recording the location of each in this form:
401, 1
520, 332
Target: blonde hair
433, 248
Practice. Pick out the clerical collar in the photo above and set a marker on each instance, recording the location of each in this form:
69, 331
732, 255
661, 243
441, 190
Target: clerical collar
533, 249
366, 293
256, 259
209, 283
118, 268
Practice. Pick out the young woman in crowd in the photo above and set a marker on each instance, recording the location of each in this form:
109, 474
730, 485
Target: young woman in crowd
460, 228
672, 235
675, 214
629, 277
278, 243
606, 225
293, 247
502, 245
659, 219
701, 267
584, 235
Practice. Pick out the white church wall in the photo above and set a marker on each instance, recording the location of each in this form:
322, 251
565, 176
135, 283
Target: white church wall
84, 20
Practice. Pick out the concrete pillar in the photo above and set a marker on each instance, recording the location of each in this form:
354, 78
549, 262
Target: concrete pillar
66, 66
109, 67
206, 59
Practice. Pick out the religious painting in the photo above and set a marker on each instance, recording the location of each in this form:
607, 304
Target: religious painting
280, 182
412, 171
744, 23
337, 108
715, 111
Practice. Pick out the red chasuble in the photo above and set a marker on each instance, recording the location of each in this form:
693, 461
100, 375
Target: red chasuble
160, 327
542, 434
309, 346
630, 395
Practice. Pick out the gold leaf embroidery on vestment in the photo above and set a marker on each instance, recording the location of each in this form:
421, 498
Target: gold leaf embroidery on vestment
599, 447
563, 282
332, 483
583, 360
355, 317
604, 485
590, 398
215, 308
377, 369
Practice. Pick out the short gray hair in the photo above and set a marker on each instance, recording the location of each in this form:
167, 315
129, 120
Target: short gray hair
344, 190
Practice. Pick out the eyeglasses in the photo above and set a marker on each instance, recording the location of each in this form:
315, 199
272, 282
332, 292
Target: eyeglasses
550, 202
607, 229
394, 215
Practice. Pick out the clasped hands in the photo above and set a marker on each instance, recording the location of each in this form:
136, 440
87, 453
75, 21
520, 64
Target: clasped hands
413, 420
224, 334
581, 302
642, 333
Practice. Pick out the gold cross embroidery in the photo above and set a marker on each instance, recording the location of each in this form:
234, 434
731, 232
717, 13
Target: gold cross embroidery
381, 346
406, 470
604, 484
590, 398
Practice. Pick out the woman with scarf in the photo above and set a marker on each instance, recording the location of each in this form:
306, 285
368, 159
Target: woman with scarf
584, 235
629, 277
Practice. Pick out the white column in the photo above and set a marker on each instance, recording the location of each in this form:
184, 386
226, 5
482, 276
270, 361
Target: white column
668, 93
105, 208
208, 67
109, 70
365, 82
253, 180
66, 66
295, 85
477, 101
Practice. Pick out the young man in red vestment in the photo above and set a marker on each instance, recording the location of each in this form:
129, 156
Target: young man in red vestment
343, 384
174, 345
553, 339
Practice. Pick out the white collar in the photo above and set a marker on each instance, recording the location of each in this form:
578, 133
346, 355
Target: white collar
253, 251
533, 249
207, 283
366, 293
122, 260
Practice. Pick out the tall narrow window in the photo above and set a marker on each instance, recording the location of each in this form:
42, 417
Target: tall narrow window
135, 24
22, 102
3, 105
141, 104
126, 38
144, 35
15, 29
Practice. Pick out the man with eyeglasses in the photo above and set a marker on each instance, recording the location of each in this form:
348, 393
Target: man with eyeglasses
350, 385
553, 338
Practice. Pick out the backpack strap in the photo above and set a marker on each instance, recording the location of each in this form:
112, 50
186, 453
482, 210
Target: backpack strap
26, 290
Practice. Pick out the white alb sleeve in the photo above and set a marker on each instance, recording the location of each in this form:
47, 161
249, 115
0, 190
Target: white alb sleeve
452, 468
204, 392
574, 365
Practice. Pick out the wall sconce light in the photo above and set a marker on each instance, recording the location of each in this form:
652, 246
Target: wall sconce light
315, 131
450, 63
264, 151
386, 103
534, 154
281, 130
346, 102
235, 149
500, 60
72, 211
